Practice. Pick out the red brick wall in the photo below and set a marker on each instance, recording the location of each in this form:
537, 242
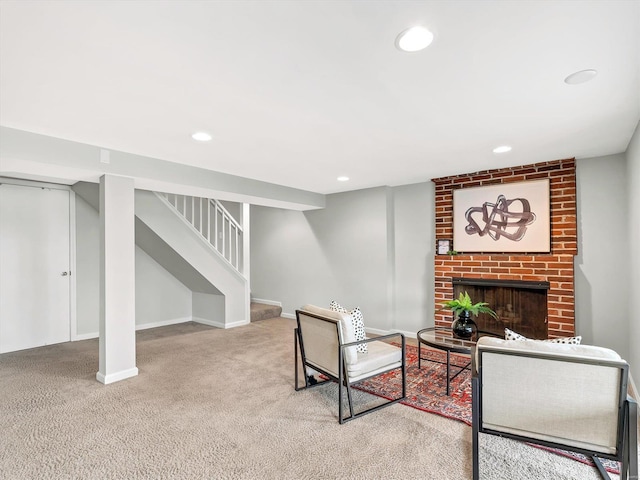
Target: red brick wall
555, 267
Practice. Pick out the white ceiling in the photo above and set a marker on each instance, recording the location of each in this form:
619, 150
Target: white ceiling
299, 92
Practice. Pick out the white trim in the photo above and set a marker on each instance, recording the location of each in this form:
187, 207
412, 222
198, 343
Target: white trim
230, 217
85, 336
245, 214
202, 238
239, 323
266, 302
213, 323
73, 321
163, 323
292, 316
116, 377
33, 183
144, 326
377, 331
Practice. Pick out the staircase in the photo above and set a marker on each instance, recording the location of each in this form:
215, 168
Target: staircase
212, 221
199, 243
185, 234
261, 311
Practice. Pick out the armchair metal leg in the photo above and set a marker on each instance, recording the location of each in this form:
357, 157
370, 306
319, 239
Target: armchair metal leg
600, 467
350, 399
340, 384
296, 342
404, 368
475, 427
632, 440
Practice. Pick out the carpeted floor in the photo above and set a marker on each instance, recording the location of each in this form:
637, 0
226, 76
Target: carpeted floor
426, 391
220, 404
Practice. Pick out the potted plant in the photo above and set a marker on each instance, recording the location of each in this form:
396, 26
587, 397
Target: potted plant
463, 307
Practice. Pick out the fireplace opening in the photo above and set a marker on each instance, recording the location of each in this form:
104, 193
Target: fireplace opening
521, 306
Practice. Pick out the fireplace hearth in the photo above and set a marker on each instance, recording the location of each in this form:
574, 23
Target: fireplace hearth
521, 306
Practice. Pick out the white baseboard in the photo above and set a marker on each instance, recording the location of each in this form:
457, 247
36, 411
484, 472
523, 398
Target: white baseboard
239, 323
144, 326
163, 323
116, 377
292, 316
267, 302
85, 336
213, 323
205, 321
376, 331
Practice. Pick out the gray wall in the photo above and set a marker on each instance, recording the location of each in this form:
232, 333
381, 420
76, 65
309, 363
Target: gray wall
414, 218
601, 266
160, 298
345, 253
338, 253
368, 248
633, 221
87, 268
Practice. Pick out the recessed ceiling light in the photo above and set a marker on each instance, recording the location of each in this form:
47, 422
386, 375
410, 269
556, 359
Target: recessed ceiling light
343, 179
201, 137
580, 77
502, 149
414, 39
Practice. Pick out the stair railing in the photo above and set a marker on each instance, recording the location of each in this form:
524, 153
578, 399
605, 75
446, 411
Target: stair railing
211, 220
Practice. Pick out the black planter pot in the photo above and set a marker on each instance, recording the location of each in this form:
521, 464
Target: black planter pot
463, 327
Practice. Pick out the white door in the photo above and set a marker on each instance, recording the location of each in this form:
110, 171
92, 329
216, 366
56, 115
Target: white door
34, 267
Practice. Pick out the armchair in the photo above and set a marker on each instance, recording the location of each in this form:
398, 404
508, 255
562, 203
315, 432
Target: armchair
326, 340
572, 397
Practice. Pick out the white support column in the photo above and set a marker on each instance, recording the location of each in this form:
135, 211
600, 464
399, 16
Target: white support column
245, 223
117, 280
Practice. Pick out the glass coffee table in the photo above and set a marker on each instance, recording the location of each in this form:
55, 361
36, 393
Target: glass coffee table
442, 338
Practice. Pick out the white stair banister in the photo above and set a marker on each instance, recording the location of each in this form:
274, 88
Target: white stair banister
227, 229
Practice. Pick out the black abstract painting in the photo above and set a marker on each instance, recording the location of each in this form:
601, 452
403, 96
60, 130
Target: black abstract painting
510, 217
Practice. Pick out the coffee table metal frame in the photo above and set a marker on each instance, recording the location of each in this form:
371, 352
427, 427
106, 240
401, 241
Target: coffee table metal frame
442, 338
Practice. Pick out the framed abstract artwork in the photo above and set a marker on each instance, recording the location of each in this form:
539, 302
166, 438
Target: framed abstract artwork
507, 217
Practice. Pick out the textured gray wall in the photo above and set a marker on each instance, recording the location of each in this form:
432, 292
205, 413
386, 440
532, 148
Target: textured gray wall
633, 221
338, 253
369, 248
414, 251
159, 296
87, 268
601, 266
333, 253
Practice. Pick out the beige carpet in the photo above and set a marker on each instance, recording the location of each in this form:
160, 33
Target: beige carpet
220, 404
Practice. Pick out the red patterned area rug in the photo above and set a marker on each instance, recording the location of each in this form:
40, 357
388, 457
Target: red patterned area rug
426, 387
426, 391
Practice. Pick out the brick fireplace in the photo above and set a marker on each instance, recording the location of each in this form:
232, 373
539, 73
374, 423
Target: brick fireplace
554, 269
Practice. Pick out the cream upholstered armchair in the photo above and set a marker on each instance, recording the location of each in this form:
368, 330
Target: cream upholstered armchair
572, 397
327, 344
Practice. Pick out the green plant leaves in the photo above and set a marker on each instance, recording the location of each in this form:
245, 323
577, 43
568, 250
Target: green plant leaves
464, 304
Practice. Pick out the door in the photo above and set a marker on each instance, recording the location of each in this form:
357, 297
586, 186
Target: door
34, 267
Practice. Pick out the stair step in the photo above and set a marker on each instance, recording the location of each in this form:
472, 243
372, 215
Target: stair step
262, 311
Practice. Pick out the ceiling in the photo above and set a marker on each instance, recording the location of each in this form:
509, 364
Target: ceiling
297, 93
